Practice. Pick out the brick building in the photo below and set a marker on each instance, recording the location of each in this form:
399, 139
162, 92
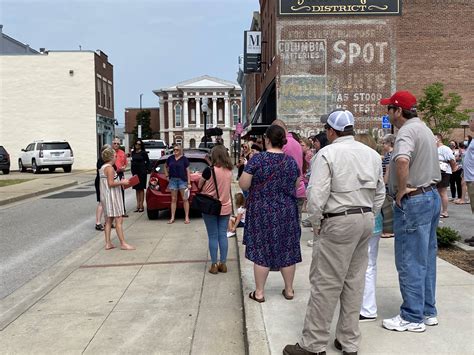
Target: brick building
317, 57
131, 122
181, 116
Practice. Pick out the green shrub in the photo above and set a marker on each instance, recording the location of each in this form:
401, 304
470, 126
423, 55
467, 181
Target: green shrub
447, 236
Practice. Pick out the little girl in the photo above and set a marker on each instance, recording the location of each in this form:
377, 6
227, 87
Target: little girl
239, 220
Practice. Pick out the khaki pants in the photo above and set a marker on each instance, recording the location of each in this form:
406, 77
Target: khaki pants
337, 273
470, 192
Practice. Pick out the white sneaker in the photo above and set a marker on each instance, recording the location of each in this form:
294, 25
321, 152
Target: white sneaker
230, 234
310, 243
400, 325
431, 321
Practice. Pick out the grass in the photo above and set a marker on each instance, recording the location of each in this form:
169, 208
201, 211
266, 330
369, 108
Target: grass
12, 182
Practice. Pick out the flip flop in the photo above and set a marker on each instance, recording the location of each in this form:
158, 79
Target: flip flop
443, 216
259, 300
171, 221
187, 222
110, 247
289, 298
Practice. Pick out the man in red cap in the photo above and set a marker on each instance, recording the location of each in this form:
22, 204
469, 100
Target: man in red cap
413, 175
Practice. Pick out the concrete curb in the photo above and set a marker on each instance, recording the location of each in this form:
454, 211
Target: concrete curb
255, 332
37, 193
464, 247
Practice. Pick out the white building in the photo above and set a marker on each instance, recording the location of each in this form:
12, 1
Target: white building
181, 117
57, 95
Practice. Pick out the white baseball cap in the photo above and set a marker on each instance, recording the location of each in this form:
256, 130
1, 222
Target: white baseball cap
341, 120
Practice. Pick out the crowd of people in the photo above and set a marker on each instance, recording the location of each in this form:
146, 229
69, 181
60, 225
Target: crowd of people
354, 192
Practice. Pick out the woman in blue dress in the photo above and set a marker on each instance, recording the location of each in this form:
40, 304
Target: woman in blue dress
272, 231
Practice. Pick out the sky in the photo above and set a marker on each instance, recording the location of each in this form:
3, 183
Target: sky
152, 44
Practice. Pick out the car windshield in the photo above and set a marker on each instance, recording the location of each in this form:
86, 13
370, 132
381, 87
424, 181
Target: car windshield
195, 166
55, 146
155, 145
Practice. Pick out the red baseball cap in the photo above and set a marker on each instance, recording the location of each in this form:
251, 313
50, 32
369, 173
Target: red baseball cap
403, 99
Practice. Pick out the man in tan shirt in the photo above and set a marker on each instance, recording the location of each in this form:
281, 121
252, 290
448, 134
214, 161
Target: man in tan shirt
345, 190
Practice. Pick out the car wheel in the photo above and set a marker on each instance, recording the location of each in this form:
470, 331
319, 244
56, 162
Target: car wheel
153, 214
20, 166
6, 171
36, 169
67, 168
52, 170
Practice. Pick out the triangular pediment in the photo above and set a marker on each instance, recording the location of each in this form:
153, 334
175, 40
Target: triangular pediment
203, 82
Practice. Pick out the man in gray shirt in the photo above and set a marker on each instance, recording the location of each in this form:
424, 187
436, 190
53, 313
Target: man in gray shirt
414, 172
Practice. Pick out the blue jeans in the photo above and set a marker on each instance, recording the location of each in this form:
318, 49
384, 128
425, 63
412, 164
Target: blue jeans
177, 184
416, 247
217, 233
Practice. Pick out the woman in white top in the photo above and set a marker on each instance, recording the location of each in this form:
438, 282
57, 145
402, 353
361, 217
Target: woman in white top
447, 164
111, 199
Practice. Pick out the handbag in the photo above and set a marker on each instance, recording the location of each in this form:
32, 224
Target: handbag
205, 203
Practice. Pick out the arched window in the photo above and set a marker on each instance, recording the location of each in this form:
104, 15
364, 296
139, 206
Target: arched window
192, 143
177, 115
235, 113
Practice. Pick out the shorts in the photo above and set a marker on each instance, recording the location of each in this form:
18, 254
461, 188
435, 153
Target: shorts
444, 180
177, 184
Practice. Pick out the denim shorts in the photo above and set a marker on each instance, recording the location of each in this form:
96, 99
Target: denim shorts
177, 184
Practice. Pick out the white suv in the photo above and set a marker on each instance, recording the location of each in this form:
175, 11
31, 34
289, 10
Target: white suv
155, 148
46, 154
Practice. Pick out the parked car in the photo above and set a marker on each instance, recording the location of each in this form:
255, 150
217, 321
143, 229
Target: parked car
158, 197
155, 148
4, 160
46, 154
208, 145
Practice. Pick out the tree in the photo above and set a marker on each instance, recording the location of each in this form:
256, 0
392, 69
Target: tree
440, 111
143, 119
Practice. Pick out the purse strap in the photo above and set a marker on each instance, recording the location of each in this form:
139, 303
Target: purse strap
213, 173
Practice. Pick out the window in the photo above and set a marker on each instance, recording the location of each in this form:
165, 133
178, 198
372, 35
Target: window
110, 97
192, 143
177, 115
104, 93
193, 115
99, 92
235, 113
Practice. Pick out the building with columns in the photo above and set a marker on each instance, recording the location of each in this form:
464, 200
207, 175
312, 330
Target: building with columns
181, 116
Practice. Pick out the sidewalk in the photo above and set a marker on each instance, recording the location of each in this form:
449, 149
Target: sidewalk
277, 322
159, 299
41, 184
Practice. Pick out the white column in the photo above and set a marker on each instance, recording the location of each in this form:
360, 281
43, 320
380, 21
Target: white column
198, 112
170, 114
226, 112
185, 115
162, 118
214, 111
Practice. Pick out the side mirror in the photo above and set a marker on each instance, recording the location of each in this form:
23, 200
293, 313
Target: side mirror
23, 150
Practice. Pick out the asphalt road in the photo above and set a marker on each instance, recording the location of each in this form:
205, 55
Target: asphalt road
37, 233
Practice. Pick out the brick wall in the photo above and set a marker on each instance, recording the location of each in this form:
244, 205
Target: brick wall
323, 62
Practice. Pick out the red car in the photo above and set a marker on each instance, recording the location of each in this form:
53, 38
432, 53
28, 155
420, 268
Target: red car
158, 197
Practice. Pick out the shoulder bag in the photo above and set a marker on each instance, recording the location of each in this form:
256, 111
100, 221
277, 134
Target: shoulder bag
205, 203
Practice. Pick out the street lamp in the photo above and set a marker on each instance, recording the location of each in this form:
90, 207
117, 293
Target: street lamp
205, 109
141, 101
464, 125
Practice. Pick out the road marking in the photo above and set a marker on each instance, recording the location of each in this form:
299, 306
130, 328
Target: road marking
169, 262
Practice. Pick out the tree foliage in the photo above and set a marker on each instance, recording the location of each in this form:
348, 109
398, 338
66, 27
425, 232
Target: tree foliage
143, 119
440, 111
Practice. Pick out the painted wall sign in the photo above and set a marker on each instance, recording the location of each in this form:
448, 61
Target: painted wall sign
337, 7
252, 51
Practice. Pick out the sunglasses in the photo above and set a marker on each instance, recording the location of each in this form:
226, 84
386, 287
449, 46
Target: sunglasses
176, 150
116, 143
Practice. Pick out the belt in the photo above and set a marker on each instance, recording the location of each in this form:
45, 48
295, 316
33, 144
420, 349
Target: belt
422, 190
351, 211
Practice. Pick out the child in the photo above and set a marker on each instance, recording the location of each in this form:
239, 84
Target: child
239, 220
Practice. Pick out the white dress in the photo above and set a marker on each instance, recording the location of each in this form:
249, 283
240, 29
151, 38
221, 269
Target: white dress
110, 197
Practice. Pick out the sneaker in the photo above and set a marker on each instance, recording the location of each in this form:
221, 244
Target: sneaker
400, 325
366, 319
431, 320
231, 234
310, 243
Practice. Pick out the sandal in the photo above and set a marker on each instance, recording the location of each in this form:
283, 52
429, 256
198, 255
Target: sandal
141, 210
289, 298
171, 221
443, 216
252, 296
99, 227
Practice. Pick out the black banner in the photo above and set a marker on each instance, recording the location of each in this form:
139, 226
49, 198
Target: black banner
252, 52
334, 7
